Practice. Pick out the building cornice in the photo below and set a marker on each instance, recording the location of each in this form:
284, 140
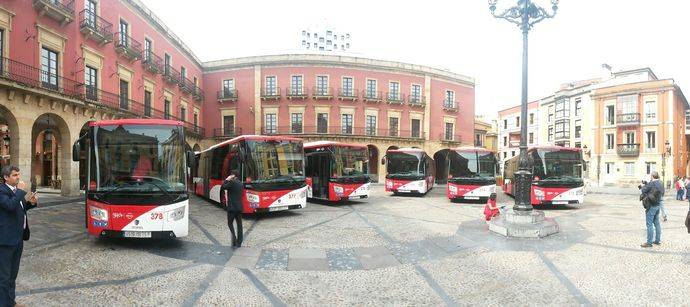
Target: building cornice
335, 60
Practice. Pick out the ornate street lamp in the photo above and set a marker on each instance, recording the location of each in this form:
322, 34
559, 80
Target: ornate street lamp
526, 14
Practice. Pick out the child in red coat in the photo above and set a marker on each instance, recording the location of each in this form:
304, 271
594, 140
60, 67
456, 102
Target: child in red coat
491, 209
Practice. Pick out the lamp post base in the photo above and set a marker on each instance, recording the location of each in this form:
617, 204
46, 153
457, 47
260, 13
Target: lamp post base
523, 224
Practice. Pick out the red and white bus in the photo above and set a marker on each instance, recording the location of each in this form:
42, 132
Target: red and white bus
471, 174
271, 168
557, 175
336, 171
136, 174
409, 171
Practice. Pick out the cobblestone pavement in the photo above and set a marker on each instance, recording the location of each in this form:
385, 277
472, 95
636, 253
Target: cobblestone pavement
384, 250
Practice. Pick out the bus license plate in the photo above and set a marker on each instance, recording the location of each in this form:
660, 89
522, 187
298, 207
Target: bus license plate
403, 191
471, 197
271, 209
136, 234
559, 202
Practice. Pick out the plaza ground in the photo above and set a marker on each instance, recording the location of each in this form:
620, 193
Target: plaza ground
384, 250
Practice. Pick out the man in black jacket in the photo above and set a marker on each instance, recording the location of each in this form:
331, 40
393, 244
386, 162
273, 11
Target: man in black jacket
232, 190
655, 189
14, 230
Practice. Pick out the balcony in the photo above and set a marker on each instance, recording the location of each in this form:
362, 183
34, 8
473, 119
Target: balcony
227, 95
343, 132
194, 131
450, 106
60, 10
34, 77
449, 138
628, 119
628, 150
171, 75
198, 94
417, 101
296, 93
186, 85
127, 47
372, 96
230, 132
348, 94
272, 93
322, 93
152, 62
95, 27
395, 98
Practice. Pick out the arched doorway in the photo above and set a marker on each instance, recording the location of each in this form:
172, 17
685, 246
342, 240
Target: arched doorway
373, 162
9, 138
441, 166
51, 153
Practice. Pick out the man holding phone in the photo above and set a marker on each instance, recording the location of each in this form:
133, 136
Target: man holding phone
14, 229
232, 190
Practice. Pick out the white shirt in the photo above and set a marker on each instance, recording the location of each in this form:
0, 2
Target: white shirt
21, 202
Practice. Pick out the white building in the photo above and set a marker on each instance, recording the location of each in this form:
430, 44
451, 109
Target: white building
324, 39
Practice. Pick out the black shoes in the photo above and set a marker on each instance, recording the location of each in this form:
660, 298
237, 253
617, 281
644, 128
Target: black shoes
646, 245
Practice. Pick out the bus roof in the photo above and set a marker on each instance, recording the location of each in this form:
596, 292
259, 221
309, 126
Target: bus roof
553, 147
135, 121
471, 149
319, 144
254, 138
406, 150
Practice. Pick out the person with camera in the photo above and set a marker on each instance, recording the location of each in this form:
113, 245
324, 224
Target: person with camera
652, 193
232, 189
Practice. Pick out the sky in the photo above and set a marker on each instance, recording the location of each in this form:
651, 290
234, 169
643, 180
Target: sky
460, 36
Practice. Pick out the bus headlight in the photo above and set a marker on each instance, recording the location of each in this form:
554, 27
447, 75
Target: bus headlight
421, 184
579, 192
252, 198
539, 193
177, 214
453, 189
303, 194
98, 213
338, 190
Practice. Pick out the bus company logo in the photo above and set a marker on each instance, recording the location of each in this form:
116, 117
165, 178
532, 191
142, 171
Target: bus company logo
101, 224
129, 216
136, 222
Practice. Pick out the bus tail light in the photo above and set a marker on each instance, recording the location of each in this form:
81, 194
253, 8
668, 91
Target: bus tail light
98, 213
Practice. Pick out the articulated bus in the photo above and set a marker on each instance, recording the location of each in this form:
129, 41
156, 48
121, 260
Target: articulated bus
471, 174
271, 169
336, 171
557, 175
409, 170
136, 175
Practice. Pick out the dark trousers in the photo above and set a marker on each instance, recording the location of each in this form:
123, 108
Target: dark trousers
9, 268
236, 235
679, 194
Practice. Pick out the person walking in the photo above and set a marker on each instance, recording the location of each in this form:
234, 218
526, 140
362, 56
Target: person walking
14, 230
232, 189
687, 187
680, 189
652, 194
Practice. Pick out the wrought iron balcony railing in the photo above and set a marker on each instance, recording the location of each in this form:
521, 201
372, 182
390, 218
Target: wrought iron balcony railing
447, 137
171, 75
270, 93
34, 77
296, 93
60, 10
229, 132
127, 46
322, 93
198, 94
152, 62
416, 101
227, 95
348, 94
628, 150
186, 85
628, 119
395, 98
342, 131
95, 27
372, 96
451, 106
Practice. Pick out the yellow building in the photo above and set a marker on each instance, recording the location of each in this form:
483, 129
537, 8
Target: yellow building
485, 133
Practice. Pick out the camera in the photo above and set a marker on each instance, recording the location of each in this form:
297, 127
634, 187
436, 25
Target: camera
644, 183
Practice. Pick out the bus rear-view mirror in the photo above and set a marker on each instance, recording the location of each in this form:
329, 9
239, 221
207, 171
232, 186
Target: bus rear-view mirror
383, 160
75, 151
190, 158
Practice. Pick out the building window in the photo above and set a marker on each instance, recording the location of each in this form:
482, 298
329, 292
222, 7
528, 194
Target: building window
147, 103
449, 132
348, 90
531, 137
394, 90
229, 125
196, 119
550, 114
393, 126
578, 107
478, 140
183, 73
91, 82
630, 137
505, 155
415, 93
630, 168
183, 114
271, 121
609, 168
271, 86
166, 109
296, 85
650, 111
371, 89
147, 49
578, 128
124, 34
168, 63
550, 136
651, 140
449, 102
562, 108
512, 153
578, 145
610, 115
124, 95
346, 123
505, 124
416, 127
517, 121
651, 167
228, 88
322, 85
49, 69
296, 122
505, 141
531, 118
628, 104
610, 142
370, 125
322, 123
90, 13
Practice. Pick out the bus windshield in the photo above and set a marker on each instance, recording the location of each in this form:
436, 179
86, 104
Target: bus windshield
139, 158
274, 161
557, 164
350, 161
471, 164
400, 163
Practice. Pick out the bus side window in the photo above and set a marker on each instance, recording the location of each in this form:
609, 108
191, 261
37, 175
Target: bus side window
217, 159
234, 156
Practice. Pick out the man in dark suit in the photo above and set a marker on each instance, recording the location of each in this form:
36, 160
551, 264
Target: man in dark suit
232, 190
14, 229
